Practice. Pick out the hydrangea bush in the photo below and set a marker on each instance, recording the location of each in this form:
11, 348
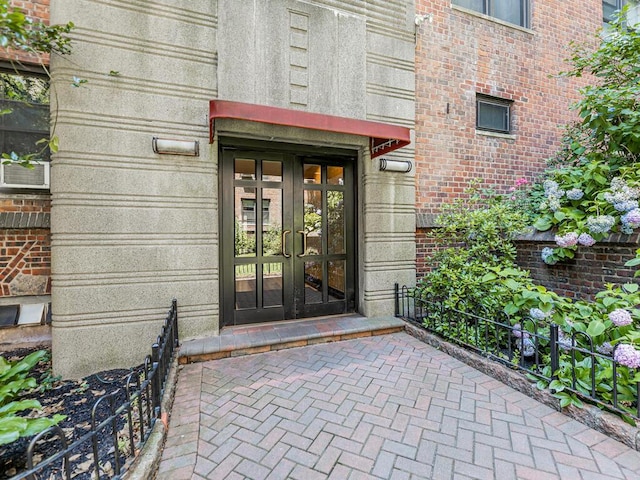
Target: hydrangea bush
591, 190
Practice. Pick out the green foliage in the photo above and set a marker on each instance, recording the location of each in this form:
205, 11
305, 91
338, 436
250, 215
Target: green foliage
475, 272
473, 234
14, 382
609, 108
593, 187
244, 243
20, 33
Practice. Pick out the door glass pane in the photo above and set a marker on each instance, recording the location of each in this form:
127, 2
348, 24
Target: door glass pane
245, 286
313, 221
335, 175
245, 222
271, 221
272, 284
245, 169
271, 171
335, 221
336, 280
312, 174
312, 282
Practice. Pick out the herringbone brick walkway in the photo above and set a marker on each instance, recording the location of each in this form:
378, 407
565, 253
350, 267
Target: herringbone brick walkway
387, 407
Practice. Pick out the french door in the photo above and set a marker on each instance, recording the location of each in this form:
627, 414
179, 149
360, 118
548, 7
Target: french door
288, 236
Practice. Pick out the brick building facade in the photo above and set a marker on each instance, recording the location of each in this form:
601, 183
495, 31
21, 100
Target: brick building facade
25, 238
120, 243
463, 56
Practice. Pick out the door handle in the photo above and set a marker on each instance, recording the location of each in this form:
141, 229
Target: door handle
284, 244
304, 243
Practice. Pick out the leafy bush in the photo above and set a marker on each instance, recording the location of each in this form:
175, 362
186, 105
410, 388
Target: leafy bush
473, 234
593, 189
14, 383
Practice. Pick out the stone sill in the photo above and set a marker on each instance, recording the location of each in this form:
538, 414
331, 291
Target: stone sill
487, 133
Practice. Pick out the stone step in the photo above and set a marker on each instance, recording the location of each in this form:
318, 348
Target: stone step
265, 337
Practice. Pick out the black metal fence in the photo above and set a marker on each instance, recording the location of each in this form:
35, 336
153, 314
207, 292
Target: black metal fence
563, 362
117, 431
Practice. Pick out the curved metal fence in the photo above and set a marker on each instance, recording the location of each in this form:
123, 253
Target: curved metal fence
564, 363
119, 428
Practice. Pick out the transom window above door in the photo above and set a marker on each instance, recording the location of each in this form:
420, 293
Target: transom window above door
510, 11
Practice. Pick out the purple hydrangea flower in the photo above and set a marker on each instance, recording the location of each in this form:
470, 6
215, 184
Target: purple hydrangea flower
568, 240
564, 341
575, 194
626, 205
600, 224
518, 333
537, 314
605, 349
551, 188
627, 355
586, 240
631, 219
547, 256
620, 317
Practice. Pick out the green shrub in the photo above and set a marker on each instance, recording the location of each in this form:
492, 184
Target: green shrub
14, 383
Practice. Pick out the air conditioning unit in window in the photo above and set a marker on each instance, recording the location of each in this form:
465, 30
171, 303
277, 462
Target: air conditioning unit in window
15, 176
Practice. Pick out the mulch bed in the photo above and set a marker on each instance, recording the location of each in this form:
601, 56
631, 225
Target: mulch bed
75, 399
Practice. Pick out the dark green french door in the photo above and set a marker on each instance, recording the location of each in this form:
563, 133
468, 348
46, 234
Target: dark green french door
288, 236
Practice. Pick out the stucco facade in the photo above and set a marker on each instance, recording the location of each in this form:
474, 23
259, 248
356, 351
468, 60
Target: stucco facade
132, 229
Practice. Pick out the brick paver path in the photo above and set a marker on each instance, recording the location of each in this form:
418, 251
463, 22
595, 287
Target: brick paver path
388, 407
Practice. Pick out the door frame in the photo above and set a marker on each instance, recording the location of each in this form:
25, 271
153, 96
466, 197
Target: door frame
226, 287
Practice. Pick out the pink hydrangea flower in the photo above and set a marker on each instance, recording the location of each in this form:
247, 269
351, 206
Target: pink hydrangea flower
627, 355
620, 317
568, 240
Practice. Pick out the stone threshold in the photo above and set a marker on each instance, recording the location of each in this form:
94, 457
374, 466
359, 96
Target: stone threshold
266, 337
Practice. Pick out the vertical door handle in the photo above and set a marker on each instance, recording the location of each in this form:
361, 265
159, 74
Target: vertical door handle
284, 244
304, 243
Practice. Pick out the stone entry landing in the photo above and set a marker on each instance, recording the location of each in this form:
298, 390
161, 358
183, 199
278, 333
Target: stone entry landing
380, 407
265, 337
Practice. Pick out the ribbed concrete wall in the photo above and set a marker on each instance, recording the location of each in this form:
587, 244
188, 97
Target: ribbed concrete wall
131, 229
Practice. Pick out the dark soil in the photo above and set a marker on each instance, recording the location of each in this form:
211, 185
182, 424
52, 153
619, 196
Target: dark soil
75, 399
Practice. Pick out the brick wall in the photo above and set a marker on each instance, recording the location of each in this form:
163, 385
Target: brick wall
582, 277
460, 54
25, 238
586, 274
25, 245
38, 10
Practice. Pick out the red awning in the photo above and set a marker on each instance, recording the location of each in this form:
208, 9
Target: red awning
384, 138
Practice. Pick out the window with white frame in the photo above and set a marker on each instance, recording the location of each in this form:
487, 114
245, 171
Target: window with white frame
24, 129
249, 212
510, 11
493, 114
24, 104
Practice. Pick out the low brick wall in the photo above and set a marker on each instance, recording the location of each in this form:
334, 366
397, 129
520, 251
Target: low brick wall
583, 277
586, 274
25, 245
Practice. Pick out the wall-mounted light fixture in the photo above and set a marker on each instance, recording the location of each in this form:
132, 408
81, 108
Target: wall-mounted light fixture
175, 147
420, 19
403, 166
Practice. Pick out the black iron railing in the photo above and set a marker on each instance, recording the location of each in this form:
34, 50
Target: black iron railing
117, 431
564, 363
